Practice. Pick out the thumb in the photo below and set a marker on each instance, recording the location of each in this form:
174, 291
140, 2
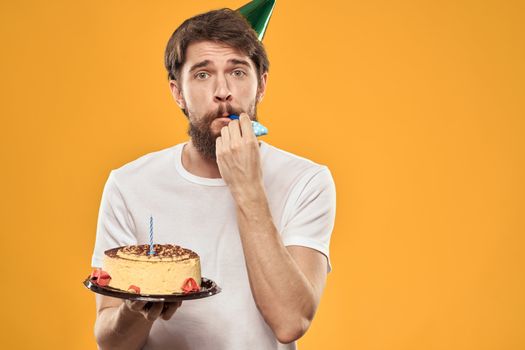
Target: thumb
135, 305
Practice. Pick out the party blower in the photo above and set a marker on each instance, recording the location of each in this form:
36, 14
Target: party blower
258, 128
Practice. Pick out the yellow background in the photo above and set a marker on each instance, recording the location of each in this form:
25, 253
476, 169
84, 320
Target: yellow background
417, 107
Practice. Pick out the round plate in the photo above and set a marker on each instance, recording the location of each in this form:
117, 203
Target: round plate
208, 288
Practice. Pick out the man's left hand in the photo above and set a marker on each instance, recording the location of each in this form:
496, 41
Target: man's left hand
238, 158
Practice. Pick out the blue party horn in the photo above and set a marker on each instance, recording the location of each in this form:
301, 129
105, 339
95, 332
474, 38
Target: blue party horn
258, 128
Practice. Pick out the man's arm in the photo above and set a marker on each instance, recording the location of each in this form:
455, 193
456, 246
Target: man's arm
126, 324
121, 324
286, 283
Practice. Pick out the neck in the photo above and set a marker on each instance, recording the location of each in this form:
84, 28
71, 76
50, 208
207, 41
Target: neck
196, 164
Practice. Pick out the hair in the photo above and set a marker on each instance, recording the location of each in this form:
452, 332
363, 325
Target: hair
222, 26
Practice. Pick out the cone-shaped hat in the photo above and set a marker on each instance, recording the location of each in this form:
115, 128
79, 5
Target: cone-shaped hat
258, 13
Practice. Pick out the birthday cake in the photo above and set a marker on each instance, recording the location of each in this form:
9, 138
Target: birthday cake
170, 269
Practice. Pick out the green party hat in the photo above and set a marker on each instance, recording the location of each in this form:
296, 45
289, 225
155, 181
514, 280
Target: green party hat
258, 13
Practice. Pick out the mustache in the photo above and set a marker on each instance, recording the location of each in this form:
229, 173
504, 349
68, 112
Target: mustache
218, 113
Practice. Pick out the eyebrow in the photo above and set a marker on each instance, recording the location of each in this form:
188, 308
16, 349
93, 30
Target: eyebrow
199, 65
241, 62
207, 62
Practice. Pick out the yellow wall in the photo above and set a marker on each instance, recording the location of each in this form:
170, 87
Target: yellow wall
416, 107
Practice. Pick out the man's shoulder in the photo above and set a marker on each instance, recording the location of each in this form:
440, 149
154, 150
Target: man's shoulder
282, 162
150, 163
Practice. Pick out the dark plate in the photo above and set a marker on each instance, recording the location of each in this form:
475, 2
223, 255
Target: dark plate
208, 288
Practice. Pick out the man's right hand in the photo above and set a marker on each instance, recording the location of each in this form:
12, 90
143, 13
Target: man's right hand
125, 324
151, 311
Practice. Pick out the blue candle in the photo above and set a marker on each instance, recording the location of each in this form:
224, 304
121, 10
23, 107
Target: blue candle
151, 251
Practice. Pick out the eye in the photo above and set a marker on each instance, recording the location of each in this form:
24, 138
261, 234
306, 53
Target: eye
201, 75
238, 73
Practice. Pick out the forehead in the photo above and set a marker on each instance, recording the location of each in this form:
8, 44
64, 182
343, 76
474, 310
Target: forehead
217, 53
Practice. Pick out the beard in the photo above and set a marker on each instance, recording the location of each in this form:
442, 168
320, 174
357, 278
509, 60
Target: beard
200, 131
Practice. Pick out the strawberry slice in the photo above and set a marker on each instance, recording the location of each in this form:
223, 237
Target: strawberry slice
100, 277
190, 285
103, 278
134, 289
94, 275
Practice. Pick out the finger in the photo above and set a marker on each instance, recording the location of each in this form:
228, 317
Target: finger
246, 126
170, 310
218, 145
235, 131
155, 311
135, 305
225, 133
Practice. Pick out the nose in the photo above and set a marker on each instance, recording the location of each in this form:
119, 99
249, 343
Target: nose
222, 91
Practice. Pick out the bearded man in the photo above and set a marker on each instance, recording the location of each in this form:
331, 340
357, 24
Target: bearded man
259, 217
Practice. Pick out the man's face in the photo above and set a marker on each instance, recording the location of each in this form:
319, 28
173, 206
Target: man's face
215, 81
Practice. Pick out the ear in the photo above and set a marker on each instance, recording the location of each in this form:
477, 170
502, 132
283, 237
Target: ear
176, 92
262, 87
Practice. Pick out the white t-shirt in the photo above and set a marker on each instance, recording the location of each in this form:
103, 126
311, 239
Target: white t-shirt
199, 213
